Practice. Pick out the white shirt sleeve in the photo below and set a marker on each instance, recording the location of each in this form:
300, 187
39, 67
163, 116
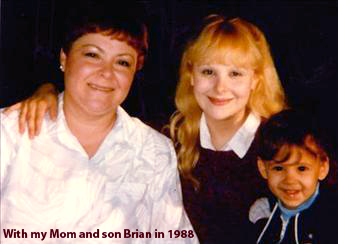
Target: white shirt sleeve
9, 136
169, 216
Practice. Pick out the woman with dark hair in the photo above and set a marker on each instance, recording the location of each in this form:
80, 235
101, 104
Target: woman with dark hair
95, 169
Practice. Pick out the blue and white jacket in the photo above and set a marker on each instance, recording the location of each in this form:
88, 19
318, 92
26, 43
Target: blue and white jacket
315, 224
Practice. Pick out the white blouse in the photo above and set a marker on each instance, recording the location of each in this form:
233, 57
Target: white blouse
130, 185
241, 140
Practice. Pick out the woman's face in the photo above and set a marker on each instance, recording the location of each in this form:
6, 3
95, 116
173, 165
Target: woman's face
98, 73
222, 91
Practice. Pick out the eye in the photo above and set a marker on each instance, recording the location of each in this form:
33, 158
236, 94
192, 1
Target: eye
207, 71
302, 168
91, 55
124, 63
235, 73
277, 168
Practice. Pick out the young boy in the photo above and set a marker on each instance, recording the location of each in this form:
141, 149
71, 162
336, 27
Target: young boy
293, 162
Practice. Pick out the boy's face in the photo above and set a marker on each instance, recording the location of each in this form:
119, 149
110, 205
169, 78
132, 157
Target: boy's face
294, 181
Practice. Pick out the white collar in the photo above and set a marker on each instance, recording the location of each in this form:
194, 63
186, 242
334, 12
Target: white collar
239, 143
122, 130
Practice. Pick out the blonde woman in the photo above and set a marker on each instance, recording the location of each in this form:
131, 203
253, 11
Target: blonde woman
228, 84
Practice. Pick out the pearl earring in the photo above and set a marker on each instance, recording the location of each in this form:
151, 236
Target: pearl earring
61, 68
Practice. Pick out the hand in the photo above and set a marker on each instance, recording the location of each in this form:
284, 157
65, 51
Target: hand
34, 108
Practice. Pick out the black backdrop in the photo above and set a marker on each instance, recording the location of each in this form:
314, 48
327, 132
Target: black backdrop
303, 36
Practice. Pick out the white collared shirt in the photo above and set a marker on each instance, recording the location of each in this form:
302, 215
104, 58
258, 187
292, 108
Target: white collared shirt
241, 140
49, 183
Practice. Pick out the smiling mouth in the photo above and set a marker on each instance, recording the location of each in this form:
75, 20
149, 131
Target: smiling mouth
100, 88
219, 102
291, 193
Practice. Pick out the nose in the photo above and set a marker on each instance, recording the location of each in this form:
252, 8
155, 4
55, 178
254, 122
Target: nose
290, 177
221, 84
107, 71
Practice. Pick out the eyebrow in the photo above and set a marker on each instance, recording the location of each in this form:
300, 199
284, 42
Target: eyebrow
92, 45
102, 50
126, 54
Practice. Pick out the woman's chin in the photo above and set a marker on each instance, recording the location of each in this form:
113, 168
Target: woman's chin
97, 108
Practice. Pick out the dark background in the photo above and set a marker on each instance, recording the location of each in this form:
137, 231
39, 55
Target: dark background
302, 34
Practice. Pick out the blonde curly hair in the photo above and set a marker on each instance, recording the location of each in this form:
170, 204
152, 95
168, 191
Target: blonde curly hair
220, 40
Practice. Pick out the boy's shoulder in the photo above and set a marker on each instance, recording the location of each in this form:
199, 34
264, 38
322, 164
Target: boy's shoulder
262, 208
261, 212
321, 218
327, 203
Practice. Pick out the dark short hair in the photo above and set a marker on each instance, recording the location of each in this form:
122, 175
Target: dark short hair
122, 27
288, 127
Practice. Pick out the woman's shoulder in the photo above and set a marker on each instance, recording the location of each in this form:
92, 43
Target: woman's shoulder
144, 135
154, 151
148, 133
10, 119
10, 124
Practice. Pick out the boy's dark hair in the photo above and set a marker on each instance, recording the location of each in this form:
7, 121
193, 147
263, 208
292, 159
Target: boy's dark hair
288, 127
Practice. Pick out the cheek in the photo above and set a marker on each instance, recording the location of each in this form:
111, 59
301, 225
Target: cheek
310, 182
273, 179
76, 70
202, 85
125, 80
242, 90
273, 186
126, 87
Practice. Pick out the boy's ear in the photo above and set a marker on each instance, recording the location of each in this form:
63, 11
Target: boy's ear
324, 167
262, 168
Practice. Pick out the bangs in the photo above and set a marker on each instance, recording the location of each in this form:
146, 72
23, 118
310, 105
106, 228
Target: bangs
134, 41
135, 37
285, 151
282, 154
226, 48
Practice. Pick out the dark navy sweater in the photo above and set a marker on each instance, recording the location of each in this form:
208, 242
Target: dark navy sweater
228, 186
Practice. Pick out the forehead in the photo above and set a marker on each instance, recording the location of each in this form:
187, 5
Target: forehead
104, 42
294, 155
225, 55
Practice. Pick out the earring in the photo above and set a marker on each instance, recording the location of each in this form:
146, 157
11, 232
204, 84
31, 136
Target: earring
61, 68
